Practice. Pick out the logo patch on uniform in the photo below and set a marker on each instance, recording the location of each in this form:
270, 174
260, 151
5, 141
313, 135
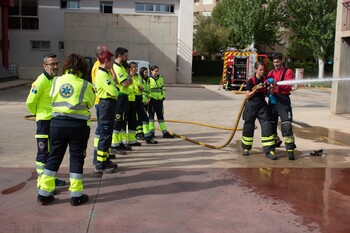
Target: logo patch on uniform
121, 75
108, 82
118, 116
41, 146
34, 89
66, 90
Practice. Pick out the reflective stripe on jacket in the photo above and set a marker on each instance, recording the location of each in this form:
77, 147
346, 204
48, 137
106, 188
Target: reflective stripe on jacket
72, 97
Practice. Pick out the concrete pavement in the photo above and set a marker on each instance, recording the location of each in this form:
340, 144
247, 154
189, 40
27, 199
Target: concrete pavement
177, 186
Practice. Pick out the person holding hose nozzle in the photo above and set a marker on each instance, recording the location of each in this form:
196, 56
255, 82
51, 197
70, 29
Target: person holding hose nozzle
282, 106
256, 108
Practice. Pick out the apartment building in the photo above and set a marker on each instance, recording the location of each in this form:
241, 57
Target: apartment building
159, 31
204, 7
340, 90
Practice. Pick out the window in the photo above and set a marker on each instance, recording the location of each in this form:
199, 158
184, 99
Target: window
106, 7
155, 8
39, 45
24, 15
206, 13
196, 2
207, 2
70, 4
61, 45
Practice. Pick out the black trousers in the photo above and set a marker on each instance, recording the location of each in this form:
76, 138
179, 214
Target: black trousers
283, 110
106, 116
77, 139
257, 109
140, 110
42, 140
156, 107
131, 116
121, 112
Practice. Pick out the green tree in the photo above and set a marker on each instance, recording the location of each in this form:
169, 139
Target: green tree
209, 38
313, 25
250, 21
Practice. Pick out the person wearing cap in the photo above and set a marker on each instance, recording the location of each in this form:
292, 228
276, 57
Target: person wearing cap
107, 93
39, 104
72, 97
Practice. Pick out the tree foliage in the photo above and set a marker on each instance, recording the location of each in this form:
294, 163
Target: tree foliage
313, 24
247, 19
209, 38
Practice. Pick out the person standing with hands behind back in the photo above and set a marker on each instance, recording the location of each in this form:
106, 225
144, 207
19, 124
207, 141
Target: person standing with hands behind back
256, 108
39, 104
72, 97
157, 96
282, 108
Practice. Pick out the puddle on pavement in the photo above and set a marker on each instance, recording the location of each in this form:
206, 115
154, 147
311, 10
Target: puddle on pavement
319, 195
321, 134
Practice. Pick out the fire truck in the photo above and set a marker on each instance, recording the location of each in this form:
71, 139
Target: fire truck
239, 65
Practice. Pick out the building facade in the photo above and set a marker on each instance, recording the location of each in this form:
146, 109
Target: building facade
341, 68
154, 30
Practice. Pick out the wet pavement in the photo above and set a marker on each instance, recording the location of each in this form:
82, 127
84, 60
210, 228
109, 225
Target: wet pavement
177, 186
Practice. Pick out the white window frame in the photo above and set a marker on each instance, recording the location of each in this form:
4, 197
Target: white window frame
39, 45
71, 4
154, 8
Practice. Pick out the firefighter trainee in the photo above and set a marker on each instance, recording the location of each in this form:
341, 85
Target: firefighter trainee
157, 96
124, 81
72, 97
140, 108
256, 108
282, 108
95, 68
39, 104
107, 93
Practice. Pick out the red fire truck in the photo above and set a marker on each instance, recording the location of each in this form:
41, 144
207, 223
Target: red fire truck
239, 64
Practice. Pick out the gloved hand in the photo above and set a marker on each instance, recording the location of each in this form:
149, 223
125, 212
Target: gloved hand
270, 80
272, 100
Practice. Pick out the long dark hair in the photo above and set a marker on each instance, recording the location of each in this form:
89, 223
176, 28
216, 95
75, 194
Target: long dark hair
142, 71
75, 63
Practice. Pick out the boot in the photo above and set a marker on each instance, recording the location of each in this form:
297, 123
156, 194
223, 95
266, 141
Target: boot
168, 135
45, 200
291, 155
271, 155
245, 152
75, 201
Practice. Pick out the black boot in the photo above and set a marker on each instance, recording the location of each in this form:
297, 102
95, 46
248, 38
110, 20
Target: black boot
45, 200
75, 201
291, 155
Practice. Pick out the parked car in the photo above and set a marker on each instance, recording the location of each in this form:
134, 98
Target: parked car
142, 63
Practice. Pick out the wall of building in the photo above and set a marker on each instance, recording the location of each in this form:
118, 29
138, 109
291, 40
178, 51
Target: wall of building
147, 37
340, 90
163, 39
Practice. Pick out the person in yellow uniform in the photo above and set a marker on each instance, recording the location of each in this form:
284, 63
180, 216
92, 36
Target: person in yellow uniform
39, 104
124, 81
157, 96
140, 88
132, 113
95, 68
107, 93
72, 97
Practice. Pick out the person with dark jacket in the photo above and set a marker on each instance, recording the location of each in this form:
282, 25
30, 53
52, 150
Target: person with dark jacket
256, 108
